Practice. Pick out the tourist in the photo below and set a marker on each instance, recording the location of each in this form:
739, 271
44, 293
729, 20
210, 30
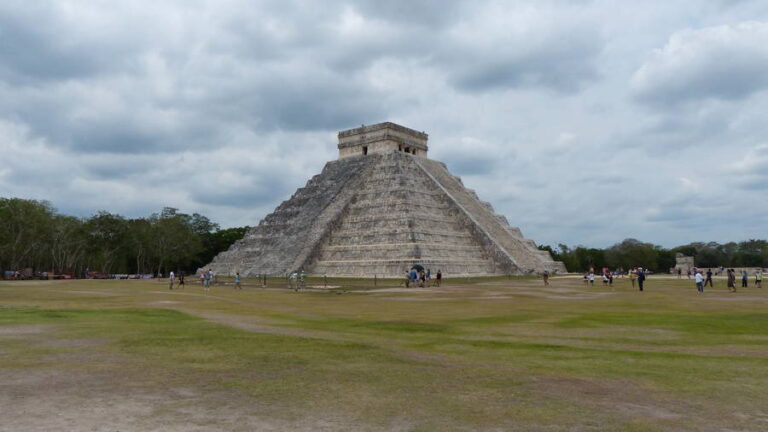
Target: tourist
699, 282
545, 277
731, 274
207, 276
414, 277
640, 277
709, 279
237, 281
407, 279
439, 277
633, 276
202, 278
303, 279
592, 277
689, 273
171, 278
586, 279
605, 278
744, 278
422, 278
293, 281
181, 280
429, 276
759, 278
679, 273
610, 278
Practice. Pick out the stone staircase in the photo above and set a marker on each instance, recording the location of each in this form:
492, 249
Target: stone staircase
493, 231
396, 219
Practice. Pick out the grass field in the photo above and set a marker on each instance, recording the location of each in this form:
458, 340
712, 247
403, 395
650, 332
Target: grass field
494, 354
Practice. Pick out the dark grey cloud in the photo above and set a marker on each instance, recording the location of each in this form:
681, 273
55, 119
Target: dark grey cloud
563, 63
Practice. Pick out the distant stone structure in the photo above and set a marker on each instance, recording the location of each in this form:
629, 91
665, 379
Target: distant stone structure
379, 209
683, 262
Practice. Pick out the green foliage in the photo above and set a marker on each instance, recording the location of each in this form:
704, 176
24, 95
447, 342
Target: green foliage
634, 253
33, 235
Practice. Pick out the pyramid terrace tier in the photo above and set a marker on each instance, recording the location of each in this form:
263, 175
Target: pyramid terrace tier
396, 267
413, 251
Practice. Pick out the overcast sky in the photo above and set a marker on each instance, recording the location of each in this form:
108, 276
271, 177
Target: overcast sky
584, 122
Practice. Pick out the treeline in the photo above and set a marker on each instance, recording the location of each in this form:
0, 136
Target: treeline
33, 235
634, 253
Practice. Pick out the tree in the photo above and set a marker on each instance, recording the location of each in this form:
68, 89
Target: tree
24, 228
175, 243
106, 234
67, 244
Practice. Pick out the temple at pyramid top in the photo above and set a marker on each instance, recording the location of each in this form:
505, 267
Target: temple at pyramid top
384, 137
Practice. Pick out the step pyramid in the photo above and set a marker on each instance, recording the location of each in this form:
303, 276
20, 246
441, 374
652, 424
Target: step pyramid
379, 209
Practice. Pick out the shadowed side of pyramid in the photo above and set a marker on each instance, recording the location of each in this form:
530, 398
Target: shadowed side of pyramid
278, 242
380, 209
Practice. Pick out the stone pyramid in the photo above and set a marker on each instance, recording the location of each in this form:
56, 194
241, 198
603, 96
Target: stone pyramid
379, 209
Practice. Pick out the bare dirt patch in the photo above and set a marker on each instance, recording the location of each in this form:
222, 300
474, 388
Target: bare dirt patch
25, 330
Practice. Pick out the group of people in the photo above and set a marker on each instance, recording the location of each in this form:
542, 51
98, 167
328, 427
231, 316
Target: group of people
422, 278
702, 279
297, 280
173, 282
637, 276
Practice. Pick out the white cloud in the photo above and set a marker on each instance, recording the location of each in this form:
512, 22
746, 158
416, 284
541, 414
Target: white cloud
720, 62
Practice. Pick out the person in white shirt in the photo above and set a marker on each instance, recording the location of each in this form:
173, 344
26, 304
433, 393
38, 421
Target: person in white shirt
171, 277
699, 282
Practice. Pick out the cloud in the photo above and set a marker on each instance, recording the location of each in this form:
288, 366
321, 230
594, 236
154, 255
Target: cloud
751, 171
725, 62
225, 108
519, 47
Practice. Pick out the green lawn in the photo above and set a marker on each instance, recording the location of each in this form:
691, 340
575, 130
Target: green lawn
491, 354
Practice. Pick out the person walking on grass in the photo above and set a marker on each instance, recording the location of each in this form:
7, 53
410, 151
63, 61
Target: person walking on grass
640, 278
237, 281
731, 280
181, 280
439, 277
731, 274
744, 278
592, 278
207, 276
699, 282
545, 277
171, 278
633, 276
708, 280
759, 278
